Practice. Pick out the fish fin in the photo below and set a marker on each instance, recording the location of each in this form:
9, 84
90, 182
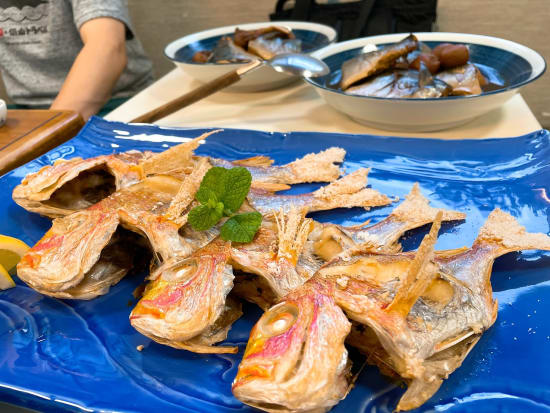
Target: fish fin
259, 160
451, 252
419, 274
317, 167
186, 192
268, 186
437, 368
175, 157
504, 230
293, 229
416, 210
349, 191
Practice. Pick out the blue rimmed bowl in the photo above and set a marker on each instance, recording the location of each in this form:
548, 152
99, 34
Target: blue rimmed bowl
502, 61
313, 36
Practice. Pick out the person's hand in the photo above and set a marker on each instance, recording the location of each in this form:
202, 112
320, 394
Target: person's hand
96, 69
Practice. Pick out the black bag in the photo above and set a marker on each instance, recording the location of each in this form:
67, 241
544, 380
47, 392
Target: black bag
363, 17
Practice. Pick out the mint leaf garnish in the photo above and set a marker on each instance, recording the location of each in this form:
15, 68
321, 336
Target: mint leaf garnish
237, 185
221, 193
204, 217
241, 227
213, 184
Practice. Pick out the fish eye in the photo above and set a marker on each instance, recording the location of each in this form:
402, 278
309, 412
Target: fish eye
279, 320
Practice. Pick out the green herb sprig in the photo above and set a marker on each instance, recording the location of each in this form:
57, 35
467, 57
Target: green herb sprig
221, 193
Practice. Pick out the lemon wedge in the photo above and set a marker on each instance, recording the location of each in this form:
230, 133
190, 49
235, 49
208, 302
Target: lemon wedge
5, 279
11, 251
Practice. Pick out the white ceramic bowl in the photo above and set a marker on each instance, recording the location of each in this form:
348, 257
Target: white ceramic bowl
517, 65
314, 36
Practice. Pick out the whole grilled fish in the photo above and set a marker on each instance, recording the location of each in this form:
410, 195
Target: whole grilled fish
71, 185
295, 359
69, 253
368, 64
324, 242
426, 309
347, 192
186, 305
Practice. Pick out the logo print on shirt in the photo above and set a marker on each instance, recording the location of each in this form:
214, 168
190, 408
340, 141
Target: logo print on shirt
20, 11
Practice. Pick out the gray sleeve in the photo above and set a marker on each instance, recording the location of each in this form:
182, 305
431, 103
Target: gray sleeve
84, 10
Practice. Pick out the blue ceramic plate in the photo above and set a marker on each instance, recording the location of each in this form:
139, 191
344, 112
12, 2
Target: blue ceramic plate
503, 62
81, 356
314, 36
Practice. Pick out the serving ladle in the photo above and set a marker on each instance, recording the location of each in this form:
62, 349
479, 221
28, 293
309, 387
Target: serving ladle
296, 64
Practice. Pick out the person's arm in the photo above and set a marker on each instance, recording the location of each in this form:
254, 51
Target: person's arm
96, 69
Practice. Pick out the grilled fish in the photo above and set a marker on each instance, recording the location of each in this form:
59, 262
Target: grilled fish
324, 242
427, 309
371, 63
186, 305
347, 192
71, 185
295, 359
68, 254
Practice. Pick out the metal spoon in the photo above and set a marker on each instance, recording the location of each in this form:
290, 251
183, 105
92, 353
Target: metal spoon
295, 64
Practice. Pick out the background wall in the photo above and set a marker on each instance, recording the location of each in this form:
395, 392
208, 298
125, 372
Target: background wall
525, 21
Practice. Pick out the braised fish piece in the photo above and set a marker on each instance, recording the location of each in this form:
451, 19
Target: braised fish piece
243, 37
347, 192
186, 306
463, 80
427, 309
69, 253
226, 51
313, 167
271, 45
295, 359
368, 64
402, 84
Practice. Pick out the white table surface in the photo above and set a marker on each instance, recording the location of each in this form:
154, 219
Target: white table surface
299, 108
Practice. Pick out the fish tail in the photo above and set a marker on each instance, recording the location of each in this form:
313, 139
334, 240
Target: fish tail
416, 210
504, 231
316, 167
419, 274
348, 191
175, 157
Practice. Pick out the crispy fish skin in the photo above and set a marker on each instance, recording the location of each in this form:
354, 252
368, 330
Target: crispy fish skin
186, 299
368, 64
427, 309
295, 359
347, 192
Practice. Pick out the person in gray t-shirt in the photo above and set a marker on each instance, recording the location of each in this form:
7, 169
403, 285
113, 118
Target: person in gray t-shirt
70, 54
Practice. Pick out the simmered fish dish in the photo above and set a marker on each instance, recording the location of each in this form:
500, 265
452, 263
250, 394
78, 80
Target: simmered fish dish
248, 45
410, 69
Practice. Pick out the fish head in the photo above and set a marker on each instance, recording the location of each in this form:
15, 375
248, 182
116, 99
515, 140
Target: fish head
295, 358
186, 295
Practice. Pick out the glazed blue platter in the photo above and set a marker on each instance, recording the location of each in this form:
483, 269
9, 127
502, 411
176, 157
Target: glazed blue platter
81, 355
